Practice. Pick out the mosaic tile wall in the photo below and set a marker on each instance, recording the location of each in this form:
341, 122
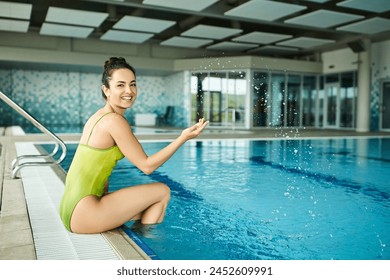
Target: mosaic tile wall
5, 87
63, 101
177, 95
380, 71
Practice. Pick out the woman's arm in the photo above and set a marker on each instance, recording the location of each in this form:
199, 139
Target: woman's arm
131, 148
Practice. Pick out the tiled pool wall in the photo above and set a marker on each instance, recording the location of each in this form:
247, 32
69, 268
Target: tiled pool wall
68, 98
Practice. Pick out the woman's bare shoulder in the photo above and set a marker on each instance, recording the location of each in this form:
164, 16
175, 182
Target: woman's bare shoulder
117, 123
115, 118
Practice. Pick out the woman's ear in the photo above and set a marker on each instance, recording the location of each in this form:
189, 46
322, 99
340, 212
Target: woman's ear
106, 90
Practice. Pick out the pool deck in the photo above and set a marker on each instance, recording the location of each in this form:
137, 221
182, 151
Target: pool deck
29, 222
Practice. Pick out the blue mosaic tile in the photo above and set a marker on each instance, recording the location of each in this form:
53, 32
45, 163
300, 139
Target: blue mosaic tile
6, 85
61, 99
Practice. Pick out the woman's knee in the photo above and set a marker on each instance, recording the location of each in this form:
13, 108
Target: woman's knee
165, 190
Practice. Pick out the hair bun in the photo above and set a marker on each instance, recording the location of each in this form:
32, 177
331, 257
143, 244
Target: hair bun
114, 61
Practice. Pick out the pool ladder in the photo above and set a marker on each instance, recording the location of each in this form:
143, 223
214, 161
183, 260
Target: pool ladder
35, 160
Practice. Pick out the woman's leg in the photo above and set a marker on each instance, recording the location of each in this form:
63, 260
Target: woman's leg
145, 202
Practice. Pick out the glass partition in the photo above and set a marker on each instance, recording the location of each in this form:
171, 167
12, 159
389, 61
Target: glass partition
280, 99
385, 105
320, 103
197, 95
347, 100
260, 99
215, 87
309, 95
278, 88
236, 96
332, 105
293, 100
276, 99
340, 100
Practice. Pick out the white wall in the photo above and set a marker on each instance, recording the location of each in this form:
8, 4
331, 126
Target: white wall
380, 59
339, 61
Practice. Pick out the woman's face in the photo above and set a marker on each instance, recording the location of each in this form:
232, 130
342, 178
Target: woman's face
123, 90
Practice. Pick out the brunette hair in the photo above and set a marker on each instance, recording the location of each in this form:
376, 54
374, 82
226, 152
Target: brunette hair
110, 65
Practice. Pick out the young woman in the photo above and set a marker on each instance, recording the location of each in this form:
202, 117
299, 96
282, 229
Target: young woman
86, 207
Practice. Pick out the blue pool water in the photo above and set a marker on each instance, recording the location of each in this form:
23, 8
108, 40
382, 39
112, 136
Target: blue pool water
275, 199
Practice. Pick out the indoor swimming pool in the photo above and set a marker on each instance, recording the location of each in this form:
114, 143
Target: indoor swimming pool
306, 199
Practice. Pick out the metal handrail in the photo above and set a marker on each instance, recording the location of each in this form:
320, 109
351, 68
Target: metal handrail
16, 163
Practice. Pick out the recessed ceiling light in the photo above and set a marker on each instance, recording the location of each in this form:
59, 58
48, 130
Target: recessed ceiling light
368, 26
65, 30
143, 24
14, 25
264, 10
15, 10
261, 37
231, 46
378, 6
318, 1
211, 32
323, 19
186, 42
274, 50
305, 42
126, 36
75, 17
191, 5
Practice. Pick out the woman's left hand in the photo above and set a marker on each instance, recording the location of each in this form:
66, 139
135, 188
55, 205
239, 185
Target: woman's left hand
195, 130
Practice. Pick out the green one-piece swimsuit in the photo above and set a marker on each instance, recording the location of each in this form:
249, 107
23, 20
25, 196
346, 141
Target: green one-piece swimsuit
88, 173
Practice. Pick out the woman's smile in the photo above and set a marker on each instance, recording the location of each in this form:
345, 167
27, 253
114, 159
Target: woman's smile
127, 98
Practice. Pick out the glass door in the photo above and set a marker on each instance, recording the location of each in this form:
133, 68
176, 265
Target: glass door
219, 97
260, 99
332, 106
278, 88
293, 100
385, 105
215, 109
208, 100
347, 100
236, 94
308, 100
